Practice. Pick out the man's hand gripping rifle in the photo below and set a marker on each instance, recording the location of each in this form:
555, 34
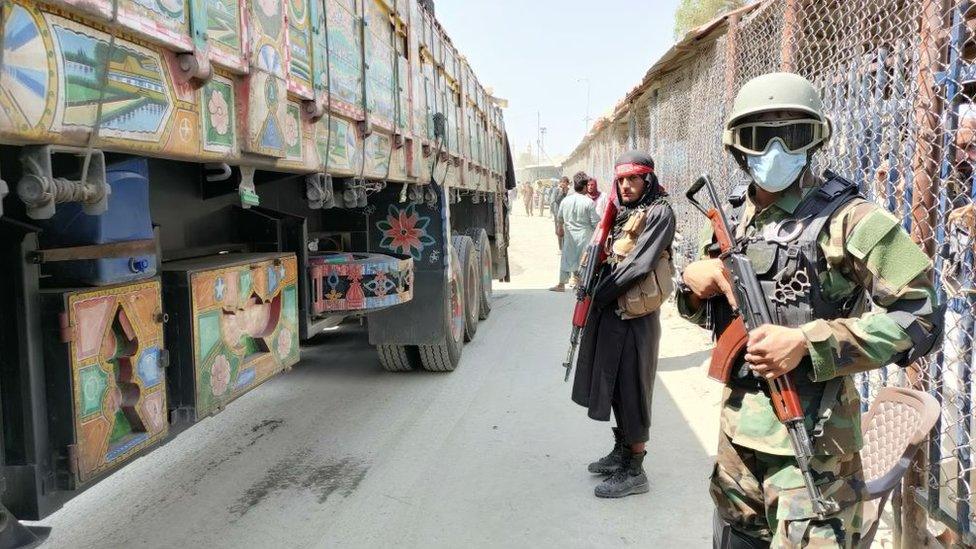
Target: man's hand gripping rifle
752, 312
587, 278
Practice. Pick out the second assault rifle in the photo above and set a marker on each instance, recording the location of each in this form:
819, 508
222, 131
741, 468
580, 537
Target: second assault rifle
752, 312
587, 277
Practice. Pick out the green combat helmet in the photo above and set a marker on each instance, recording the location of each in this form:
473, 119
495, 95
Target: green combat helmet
778, 91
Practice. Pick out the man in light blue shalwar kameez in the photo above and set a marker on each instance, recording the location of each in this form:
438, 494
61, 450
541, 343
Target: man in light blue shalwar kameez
577, 218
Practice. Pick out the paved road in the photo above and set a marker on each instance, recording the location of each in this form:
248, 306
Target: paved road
338, 453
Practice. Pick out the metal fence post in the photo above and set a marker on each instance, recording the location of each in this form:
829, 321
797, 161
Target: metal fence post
927, 112
788, 40
925, 165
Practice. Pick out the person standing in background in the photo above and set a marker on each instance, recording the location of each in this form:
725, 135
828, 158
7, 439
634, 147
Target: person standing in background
600, 198
576, 219
527, 195
559, 192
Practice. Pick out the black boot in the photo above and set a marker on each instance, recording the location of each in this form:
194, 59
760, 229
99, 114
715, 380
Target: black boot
610, 463
629, 479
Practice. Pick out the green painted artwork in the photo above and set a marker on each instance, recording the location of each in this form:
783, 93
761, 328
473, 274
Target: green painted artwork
245, 283
293, 132
93, 381
134, 98
168, 9
344, 55
300, 66
215, 381
322, 139
290, 302
208, 330
218, 117
224, 24
379, 81
121, 428
342, 142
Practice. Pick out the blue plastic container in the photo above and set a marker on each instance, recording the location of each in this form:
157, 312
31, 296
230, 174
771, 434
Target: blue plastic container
127, 219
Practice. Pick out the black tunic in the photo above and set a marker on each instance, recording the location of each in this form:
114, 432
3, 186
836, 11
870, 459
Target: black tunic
621, 352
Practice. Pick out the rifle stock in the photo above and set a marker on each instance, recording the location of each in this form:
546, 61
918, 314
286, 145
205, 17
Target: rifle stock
587, 279
753, 311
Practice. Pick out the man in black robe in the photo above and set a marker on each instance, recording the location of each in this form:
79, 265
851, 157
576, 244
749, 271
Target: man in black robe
618, 358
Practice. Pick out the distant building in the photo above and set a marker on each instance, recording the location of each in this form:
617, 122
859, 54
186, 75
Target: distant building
532, 173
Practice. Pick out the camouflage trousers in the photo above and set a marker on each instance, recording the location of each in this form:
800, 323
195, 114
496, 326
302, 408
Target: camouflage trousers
763, 496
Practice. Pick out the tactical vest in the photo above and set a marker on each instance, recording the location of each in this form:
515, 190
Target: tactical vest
788, 260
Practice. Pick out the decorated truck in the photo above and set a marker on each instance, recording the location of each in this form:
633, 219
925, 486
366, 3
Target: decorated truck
191, 188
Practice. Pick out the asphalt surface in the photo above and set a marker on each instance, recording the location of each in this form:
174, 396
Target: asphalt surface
339, 453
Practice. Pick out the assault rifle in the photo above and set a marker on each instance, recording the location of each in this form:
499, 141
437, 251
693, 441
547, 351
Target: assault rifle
752, 312
587, 278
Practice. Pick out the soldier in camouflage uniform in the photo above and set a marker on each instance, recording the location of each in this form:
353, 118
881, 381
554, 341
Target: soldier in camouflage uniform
849, 250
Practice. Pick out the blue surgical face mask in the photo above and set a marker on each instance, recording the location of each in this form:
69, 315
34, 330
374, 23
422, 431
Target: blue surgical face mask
776, 169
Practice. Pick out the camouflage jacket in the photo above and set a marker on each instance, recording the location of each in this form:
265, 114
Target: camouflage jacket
866, 250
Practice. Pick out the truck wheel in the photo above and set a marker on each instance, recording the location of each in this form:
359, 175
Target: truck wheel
483, 248
471, 270
398, 358
444, 357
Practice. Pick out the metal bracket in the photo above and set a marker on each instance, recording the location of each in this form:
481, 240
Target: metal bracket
249, 196
127, 248
314, 109
40, 190
365, 128
431, 196
415, 194
362, 202
195, 67
319, 191
354, 194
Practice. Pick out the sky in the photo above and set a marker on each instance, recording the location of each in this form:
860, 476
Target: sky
539, 54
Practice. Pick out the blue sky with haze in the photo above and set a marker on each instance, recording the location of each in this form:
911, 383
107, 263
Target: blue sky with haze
533, 52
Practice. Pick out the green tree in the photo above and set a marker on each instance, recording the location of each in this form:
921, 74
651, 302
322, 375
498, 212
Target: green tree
694, 13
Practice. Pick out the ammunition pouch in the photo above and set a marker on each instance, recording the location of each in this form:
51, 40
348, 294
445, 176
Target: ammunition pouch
649, 293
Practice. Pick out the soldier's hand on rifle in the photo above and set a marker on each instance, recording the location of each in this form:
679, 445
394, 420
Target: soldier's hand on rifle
706, 279
775, 350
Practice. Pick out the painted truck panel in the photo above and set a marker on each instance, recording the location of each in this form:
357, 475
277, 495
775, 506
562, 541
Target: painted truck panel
112, 368
233, 325
267, 101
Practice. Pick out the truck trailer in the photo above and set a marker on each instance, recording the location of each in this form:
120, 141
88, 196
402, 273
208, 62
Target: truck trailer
191, 188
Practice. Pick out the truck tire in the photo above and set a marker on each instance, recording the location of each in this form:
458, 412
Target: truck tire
483, 249
471, 275
398, 358
444, 357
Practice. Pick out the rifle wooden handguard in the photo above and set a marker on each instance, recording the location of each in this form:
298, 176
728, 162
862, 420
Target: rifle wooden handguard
728, 350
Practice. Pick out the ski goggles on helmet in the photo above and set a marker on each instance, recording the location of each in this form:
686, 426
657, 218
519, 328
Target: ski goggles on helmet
794, 135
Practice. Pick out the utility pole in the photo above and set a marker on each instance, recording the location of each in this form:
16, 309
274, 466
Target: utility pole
538, 138
586, 120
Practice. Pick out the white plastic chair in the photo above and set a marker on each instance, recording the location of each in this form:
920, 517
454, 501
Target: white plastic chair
894, 429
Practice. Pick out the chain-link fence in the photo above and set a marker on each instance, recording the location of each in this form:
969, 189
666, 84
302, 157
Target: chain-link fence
898, 79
